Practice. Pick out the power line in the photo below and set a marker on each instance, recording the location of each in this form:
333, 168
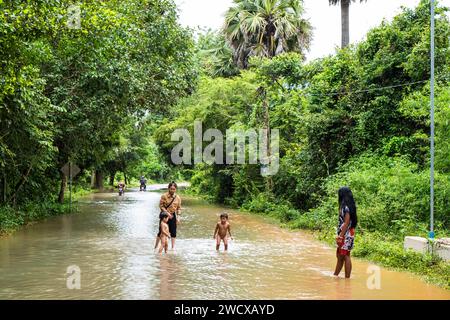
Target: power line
371, 89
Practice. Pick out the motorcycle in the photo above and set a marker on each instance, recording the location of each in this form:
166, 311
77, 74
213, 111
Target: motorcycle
121, 191
143, 184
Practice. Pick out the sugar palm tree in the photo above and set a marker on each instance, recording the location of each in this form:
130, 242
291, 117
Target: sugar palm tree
216, 55
345, 19
265, 28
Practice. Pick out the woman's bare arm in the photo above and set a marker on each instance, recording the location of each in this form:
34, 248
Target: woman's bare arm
179, 206
161, 204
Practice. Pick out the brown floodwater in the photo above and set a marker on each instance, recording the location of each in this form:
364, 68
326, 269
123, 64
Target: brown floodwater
111, 241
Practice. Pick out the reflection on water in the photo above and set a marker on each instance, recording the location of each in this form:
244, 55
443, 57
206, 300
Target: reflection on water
112, 240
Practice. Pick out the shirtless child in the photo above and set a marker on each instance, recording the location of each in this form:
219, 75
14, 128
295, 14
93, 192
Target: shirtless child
164, 234
222, 227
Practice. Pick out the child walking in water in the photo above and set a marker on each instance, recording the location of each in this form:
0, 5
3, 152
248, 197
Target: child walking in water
164, 234
345, 231
220, 233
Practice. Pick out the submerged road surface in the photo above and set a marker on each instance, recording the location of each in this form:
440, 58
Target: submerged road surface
109, 246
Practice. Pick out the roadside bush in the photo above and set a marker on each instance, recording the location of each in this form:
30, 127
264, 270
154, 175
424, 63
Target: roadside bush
392, 196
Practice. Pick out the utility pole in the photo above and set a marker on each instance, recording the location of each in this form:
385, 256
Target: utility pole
431, 233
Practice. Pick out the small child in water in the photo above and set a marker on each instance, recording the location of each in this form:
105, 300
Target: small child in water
220, 233
164, 234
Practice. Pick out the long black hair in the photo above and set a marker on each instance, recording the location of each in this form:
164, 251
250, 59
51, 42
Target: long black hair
345, 198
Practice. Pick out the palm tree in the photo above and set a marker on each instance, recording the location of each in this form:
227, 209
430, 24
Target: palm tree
215, 55
345, 19
222, 64
265, 28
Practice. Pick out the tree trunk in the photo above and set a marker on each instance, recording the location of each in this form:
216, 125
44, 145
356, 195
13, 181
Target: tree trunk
3, 199
269, 181
345, 20
62, 188
125, 177
266, 126
98, 180
112, 175
93, 179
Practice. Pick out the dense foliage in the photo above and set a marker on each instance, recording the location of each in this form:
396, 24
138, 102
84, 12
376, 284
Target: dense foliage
80, 81
358, 118
265, 28
108, 94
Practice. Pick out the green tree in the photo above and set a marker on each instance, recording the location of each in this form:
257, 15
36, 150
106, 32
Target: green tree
26, 132
372, 96
215, 55
266, 28
70, 93
128, 59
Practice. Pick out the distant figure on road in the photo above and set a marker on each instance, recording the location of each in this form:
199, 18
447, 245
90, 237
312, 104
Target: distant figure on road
121, 187
220, 233
345, 231
170, 204
143, 184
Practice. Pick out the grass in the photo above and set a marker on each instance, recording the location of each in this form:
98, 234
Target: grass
13, 218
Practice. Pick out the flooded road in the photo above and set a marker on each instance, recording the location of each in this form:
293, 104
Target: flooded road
111, 242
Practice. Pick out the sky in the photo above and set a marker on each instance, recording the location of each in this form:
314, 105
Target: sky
325, 19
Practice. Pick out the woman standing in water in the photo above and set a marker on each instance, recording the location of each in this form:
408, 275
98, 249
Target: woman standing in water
345, 231
170, 203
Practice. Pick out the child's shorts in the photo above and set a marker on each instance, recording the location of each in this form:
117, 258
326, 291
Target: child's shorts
347, 246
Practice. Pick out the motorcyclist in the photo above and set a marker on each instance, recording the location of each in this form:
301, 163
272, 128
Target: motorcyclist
121, 187
143, 182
